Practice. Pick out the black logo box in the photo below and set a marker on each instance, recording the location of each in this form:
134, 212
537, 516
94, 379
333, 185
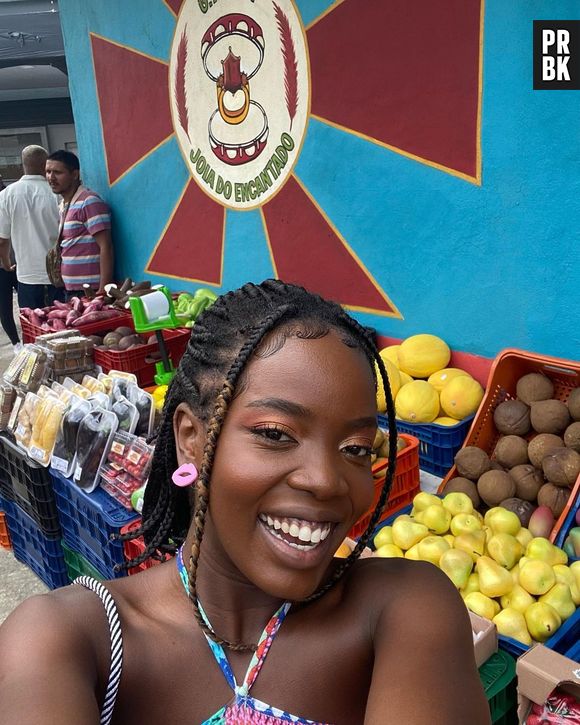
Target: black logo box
546, 45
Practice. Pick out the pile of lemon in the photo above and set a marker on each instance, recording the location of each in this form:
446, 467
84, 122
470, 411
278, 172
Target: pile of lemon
424, 389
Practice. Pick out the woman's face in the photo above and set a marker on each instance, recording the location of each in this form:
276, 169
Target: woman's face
292, 471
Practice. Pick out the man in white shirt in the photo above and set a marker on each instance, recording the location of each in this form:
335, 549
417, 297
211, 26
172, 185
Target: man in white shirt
29, 220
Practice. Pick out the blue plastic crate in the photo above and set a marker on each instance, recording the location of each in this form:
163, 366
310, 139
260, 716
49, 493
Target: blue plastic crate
438, 444
29, 485
569, 523
41, 553
88, 520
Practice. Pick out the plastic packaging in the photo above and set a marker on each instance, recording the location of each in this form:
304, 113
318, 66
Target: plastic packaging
126, 413
65, 449
7, 398
93, 384
76, 388
127, 467
64, 395
12, 372
13, 420
47, 421
561, 708
35, 370
94, 439
25, 420
137, 499
146, 409
100, 400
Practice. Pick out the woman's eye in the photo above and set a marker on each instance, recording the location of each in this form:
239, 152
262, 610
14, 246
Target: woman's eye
358, 451
276, 435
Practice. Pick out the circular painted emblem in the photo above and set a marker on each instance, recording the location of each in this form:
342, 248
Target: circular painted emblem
240, 95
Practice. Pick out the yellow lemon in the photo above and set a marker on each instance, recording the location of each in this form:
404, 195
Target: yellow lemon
417, 402
391, 353
394, 383
423, 355
440, 379
461, 397
444, 420
405, 378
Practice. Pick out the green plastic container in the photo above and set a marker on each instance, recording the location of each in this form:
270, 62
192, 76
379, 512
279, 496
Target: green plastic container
77, 565
498, 677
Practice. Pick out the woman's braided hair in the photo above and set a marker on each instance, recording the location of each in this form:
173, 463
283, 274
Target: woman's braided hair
222, 342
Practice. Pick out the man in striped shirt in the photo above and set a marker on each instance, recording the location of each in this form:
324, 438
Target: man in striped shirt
85, 237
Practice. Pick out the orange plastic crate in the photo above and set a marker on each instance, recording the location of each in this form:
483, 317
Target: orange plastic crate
508, 367
4, 535
405, 484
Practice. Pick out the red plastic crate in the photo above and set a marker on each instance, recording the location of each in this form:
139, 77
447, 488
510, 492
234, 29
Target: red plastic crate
139, 360
135, 547
508, 367
30, 332
405, 484
4, 535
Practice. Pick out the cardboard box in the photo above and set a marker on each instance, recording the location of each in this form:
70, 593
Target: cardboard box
539, 671
485, 638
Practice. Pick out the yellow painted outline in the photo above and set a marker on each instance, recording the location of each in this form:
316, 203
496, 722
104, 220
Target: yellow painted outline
395, 312
453, 172
148, 153
164, 232
308, 116
322, 15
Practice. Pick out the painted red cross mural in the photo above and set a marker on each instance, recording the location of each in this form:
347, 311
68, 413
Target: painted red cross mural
238, 91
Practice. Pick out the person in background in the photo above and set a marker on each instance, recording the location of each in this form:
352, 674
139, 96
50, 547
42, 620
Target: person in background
87, 250
29, 223
8, 284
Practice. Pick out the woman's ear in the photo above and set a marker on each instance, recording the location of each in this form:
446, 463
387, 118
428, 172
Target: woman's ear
189, 432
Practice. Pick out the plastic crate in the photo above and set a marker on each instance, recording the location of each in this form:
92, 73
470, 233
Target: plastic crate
405, 485
4, 535
498, 677
29, 485
135, 547
77, 565
438, 444
30, 332
569, 520
139, 360
88, 520
565, 640
508, 367
42, 554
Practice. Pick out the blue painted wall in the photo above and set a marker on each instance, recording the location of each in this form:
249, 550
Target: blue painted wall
484, 267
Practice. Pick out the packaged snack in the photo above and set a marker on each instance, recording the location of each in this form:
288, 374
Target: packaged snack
12, 372
121, 382
137, 499
25, 420
94, 439
145, 407
35, 370
93, 384
100, 400
7, 398
107, 382
47, 421
127, 467
65, 449
76, 388
13, 420
61, 392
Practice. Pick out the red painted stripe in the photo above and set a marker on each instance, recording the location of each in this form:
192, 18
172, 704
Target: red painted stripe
134, 104
404, 73
192, 245
175, 5
308, 252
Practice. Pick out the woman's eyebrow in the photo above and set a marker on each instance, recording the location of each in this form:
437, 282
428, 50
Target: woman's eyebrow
281, 405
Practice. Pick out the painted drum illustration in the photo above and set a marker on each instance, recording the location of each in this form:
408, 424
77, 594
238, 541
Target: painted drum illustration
240, 96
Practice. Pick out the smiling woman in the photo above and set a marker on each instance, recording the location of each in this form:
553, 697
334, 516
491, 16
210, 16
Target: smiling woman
274, 405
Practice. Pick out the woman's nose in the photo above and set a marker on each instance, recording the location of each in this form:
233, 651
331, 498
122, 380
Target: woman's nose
319, 474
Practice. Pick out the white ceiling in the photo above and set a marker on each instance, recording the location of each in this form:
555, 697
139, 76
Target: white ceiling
32, 63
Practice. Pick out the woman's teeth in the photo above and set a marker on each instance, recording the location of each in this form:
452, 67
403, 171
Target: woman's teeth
303, 535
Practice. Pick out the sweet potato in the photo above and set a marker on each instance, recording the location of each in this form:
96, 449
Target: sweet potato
58, 314
76, 304
58, 305
71, 317
58, 324
96, 316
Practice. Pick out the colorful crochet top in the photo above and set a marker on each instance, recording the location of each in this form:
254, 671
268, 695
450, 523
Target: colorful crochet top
244, 709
